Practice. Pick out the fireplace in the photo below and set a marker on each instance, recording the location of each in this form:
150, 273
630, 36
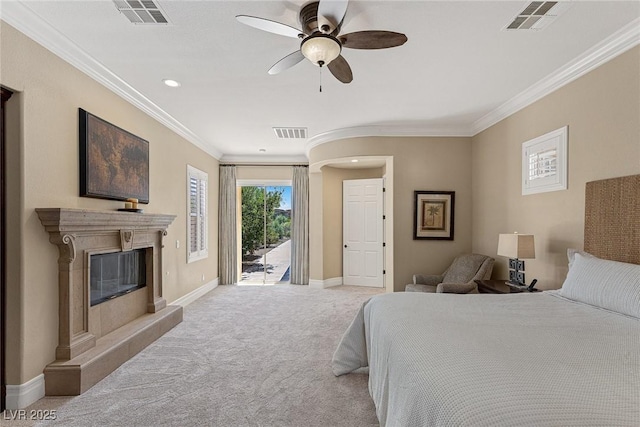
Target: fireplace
110, 292
115, 274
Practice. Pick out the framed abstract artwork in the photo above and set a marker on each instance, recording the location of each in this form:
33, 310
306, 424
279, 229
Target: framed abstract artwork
114, 164
433, 215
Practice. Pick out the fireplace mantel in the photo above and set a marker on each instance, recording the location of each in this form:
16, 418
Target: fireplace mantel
61, 220
91, 336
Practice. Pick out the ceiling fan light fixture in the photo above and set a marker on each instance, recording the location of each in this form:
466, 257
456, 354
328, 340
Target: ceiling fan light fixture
320, 48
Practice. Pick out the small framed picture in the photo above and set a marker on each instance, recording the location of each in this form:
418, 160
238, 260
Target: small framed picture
433, 215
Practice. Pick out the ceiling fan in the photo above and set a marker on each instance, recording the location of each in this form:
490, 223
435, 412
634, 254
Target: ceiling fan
322, 42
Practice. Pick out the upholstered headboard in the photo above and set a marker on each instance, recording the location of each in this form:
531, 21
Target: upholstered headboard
612, 219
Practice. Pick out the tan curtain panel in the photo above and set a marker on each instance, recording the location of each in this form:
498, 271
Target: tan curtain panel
300, 226
228, 251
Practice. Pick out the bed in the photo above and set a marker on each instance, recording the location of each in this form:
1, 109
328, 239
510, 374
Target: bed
558, 358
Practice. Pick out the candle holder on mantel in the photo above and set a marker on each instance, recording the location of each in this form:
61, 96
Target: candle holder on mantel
131, 205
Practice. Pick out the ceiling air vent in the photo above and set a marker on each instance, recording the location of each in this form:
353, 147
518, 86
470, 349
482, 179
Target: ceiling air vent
141, 11
291, 133
537, 15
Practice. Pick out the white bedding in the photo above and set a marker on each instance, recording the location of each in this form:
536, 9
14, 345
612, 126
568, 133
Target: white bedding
489, 360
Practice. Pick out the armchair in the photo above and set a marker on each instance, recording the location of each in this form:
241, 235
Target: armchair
458, 278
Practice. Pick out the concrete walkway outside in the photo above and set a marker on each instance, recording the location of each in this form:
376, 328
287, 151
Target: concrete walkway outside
277, 261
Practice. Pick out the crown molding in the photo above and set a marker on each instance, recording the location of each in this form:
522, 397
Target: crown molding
385, 131
25, 20
618, 43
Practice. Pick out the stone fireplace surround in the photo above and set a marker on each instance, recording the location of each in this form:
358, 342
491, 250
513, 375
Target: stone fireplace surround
94, 341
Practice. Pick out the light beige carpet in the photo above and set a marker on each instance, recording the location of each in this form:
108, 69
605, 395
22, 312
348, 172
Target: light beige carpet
244, 356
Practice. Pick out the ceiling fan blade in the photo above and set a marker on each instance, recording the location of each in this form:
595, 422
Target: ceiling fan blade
331, 13
270, 26
373, 39
340, 69
287, 62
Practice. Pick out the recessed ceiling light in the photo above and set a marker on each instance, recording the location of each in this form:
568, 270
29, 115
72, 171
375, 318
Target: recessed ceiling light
263, 150
171, 83
354, 160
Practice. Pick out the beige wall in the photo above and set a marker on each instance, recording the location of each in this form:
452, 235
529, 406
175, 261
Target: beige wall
332, 214
264, 172
602, 110
43, 172
419, 164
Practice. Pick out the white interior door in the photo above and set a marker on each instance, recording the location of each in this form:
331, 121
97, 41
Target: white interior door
362, 234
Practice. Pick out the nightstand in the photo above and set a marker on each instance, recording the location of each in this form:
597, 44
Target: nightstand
499, 287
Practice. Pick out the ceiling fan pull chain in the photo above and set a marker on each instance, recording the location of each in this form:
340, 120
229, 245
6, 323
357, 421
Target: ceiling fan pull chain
320, 78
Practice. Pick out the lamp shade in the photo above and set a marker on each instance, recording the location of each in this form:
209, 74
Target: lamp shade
320, 48
516, 245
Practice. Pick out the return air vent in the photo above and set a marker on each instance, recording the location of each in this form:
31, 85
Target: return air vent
291, 133
537, 15
141, 11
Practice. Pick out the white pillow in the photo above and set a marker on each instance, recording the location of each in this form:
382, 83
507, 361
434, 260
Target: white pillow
571, 254
608, 284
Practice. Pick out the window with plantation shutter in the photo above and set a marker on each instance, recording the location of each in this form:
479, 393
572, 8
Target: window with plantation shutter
197, 182
544, 162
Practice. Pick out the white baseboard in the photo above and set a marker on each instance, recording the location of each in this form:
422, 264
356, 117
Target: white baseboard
187, 299
315, 284
23, 395
322, 284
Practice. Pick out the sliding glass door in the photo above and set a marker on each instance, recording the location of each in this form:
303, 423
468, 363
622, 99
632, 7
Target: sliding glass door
266, 231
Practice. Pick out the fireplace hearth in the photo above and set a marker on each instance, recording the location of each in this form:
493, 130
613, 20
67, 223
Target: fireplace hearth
110, 292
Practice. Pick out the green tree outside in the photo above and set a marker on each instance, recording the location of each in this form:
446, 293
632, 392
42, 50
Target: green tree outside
278, 225
281, 226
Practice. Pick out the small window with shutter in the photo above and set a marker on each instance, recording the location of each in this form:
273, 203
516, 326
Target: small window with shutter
544, 163
197, 183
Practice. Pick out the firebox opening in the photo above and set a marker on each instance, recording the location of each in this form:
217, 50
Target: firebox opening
116, 274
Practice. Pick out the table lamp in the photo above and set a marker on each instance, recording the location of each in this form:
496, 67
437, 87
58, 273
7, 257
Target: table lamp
516, 247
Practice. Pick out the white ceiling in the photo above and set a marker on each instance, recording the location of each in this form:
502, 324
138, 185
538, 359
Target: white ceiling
458, 73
